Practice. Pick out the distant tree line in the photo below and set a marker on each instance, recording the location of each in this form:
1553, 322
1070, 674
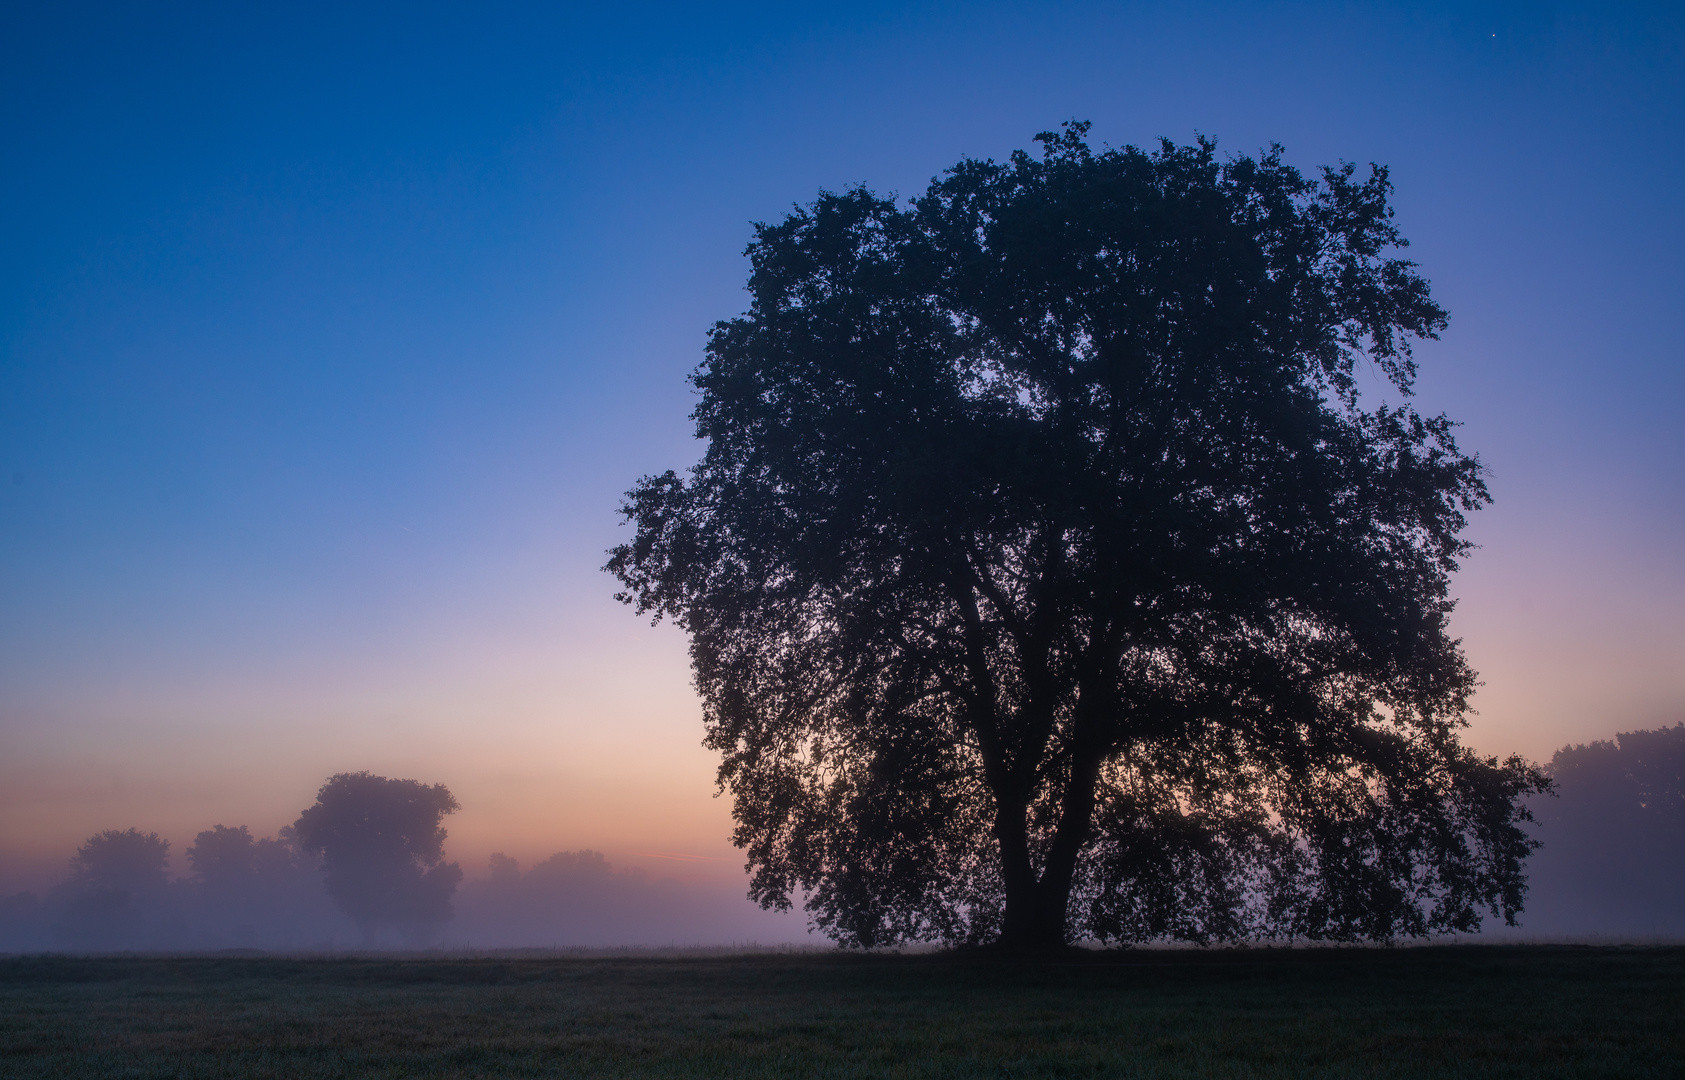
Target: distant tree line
365, 865
369, 852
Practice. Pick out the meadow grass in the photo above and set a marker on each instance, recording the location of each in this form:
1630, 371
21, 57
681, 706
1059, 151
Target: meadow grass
1491, 1011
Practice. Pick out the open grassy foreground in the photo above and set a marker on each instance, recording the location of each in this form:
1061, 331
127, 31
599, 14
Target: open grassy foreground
1509, 1011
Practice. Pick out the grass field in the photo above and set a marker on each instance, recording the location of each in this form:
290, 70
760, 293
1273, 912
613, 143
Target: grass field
1501, 1011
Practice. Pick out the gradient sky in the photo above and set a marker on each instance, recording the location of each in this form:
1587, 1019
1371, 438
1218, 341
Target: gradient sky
329, 338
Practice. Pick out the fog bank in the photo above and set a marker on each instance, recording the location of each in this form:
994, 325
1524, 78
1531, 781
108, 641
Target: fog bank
572, 899
1611, 866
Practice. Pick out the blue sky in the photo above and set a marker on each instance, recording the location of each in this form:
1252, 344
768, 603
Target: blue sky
330, 336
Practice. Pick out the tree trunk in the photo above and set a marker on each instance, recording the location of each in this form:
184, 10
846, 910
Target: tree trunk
1018, 876
1037, 910
1034, 920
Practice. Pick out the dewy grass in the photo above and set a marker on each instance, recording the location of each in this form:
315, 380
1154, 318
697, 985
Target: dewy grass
1500, 1011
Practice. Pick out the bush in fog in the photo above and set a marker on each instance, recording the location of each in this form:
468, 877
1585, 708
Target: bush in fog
578, 898
252, 892
382, 849
1613, 855
571, 898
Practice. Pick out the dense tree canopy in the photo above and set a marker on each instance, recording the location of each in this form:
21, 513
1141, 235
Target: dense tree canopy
383, 851
125, 860
1046, 577
223, 858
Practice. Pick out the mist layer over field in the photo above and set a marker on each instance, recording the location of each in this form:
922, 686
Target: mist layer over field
1611, 865
572, 899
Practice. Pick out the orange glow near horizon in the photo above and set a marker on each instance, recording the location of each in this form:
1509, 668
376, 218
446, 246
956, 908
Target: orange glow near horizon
588, 735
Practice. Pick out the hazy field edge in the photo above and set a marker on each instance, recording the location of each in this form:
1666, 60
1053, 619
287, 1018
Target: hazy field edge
753, 949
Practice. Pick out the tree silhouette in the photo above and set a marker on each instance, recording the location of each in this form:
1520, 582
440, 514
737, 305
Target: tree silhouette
246, 889
382, 850
504, 870
117, 878
123, 859
1045, 576
224, 860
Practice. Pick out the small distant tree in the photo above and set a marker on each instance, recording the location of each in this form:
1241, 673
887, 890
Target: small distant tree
255, 890
382, 850
125, 860
224, 859
115, 878
572, 866
504, 869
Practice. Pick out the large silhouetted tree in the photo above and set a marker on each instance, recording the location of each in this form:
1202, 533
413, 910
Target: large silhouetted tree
382, 850
1045, 576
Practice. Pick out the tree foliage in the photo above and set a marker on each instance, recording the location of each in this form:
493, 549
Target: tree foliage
117, 879
125, 860
382, 851
224, 858
1047, 576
